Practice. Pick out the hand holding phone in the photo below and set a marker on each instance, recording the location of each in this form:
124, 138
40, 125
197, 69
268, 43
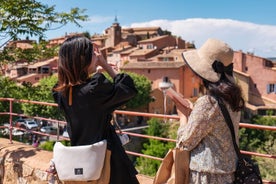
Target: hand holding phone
183, 105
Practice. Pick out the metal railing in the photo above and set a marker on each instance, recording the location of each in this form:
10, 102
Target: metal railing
11, 114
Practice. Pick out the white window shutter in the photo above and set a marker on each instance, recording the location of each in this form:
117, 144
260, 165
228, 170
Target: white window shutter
267, 88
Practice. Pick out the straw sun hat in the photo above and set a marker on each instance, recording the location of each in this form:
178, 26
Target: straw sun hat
212, 59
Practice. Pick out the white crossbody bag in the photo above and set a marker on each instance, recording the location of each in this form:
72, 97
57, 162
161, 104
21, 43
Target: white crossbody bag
79, 163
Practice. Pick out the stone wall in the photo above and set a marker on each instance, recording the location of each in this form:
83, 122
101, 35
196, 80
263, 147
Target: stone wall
22, 164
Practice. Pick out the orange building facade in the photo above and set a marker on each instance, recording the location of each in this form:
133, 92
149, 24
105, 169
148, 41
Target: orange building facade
156, 55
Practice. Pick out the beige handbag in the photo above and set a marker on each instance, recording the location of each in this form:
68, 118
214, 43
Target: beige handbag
174, 168
79, 163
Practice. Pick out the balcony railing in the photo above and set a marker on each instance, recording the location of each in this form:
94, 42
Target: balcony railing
58, 123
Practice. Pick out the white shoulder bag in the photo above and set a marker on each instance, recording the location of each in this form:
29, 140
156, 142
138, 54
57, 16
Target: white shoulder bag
79, 163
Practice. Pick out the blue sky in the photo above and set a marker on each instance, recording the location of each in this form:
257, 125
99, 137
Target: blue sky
246, 25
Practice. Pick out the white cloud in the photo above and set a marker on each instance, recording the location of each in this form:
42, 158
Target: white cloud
245, 36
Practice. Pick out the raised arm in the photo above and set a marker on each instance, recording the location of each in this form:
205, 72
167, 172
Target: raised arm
101, 61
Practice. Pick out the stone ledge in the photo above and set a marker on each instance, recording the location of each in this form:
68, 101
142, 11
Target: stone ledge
21, 163
24, 164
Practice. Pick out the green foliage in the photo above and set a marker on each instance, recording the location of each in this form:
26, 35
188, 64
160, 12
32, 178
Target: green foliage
5, 58
268, 165
155, 147
87, 34
255, 139
49, 145
39, 51
261, 141
143, 86
43, 93
9, 89
149, 166
33, 18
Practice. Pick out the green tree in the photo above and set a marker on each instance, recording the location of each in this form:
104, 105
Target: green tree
49, 145
42, 93
268, 165
261, 141
87, 34
143, 86
154, 147
9, 89
255, 139
33, 18
40, 51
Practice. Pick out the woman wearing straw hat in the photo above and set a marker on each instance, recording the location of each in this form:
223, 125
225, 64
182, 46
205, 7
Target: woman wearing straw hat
206, 134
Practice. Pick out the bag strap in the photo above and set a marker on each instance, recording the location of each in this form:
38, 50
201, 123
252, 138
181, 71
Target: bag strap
229, 124
116, 123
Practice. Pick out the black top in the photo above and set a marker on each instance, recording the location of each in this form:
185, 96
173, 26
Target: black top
88, 118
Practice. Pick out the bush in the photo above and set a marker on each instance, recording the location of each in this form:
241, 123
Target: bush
154, 147
261, 141
49, 145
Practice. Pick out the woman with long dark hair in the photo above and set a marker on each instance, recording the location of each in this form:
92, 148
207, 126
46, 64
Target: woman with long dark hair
88, 99
204, 131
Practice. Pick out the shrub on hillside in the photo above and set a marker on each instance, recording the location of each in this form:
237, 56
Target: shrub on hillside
154, 147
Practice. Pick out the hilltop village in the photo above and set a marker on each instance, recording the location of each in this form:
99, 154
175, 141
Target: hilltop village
156, 54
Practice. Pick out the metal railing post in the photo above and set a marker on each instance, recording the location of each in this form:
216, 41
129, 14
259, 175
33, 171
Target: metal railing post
11, 126
58, 132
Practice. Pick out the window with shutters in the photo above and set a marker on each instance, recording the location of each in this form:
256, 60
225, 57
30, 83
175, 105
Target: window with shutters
271, 88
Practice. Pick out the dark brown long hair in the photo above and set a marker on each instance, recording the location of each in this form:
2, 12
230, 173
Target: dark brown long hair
75, 57
226, 90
